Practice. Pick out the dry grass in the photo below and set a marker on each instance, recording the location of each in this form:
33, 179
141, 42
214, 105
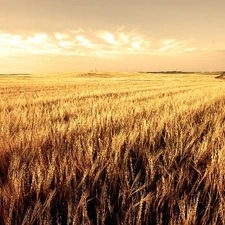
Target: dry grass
124, 149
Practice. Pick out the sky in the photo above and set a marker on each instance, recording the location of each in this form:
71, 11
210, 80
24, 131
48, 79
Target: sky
44, 36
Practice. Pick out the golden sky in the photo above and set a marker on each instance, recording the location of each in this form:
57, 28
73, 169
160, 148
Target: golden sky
38, 36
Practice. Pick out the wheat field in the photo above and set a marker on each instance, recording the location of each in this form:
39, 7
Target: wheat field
112, 148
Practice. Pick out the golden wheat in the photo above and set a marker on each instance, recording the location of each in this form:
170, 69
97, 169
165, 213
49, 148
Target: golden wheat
112, 149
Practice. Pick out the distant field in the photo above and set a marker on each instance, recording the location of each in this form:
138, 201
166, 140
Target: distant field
112, 148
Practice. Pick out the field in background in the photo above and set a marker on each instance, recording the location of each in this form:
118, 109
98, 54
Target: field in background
112, 148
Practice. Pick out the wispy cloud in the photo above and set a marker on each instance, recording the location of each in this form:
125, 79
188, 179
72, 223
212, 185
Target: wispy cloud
170, 44
174, 47
126, 42
109, 38
100, 43
61, 36
84, 41
103, 43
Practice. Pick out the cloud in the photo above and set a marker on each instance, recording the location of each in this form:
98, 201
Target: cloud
78, 31
109, 38
169, 44
103, 43
75, 42
66, 44
177, 47
205, 48
83, 41
40, 38
189, 49
126, 43
61, 36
